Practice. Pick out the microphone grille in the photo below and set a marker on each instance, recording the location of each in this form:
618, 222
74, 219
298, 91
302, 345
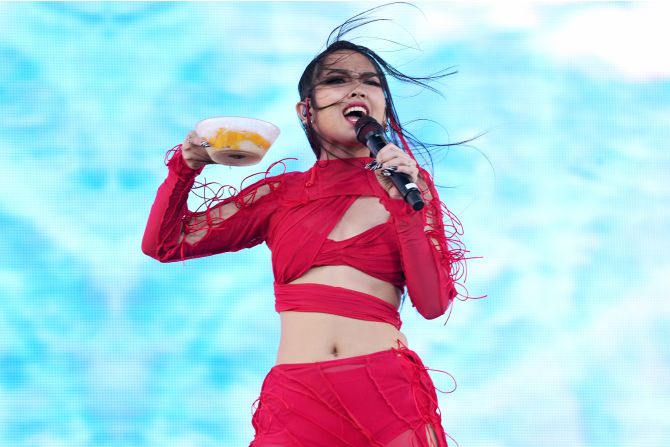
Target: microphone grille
365, 126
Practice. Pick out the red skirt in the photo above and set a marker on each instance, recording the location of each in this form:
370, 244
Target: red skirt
383, 399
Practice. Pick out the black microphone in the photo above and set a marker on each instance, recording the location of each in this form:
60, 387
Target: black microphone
370, 133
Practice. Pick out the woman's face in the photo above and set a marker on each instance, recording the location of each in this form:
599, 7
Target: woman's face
347, 88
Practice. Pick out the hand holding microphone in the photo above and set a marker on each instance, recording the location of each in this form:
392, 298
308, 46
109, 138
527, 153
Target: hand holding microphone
371, 133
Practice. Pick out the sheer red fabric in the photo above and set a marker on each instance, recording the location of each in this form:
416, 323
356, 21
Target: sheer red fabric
320, 404
294, 213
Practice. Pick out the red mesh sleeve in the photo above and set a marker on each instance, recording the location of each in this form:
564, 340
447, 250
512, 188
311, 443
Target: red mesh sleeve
239, 221
432, 258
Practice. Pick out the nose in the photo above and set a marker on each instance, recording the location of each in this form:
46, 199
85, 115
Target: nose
357, 91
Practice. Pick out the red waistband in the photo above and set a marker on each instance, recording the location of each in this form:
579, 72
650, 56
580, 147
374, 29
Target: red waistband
335, 300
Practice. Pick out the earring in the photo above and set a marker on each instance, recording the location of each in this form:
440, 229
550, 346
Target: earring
305, 111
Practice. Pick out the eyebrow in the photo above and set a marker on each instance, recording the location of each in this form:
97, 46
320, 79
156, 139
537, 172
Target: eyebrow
367, 74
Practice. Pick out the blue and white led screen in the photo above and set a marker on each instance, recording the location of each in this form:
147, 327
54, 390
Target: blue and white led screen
564, 198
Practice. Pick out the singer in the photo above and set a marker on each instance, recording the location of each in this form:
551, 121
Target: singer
345, 246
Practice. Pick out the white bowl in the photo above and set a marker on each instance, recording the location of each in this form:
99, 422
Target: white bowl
235, 140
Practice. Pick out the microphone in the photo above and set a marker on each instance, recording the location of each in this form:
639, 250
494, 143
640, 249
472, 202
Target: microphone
370, 133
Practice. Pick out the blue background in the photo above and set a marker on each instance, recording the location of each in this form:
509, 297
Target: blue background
566, 198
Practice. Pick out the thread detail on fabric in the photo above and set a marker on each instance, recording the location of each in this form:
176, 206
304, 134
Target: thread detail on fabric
319, 403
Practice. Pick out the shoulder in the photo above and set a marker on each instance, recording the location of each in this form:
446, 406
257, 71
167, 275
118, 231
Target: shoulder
285, 180
278, 185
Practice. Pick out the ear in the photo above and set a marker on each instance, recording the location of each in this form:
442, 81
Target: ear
301, 110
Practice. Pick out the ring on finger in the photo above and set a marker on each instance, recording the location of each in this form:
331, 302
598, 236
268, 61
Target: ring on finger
204, 144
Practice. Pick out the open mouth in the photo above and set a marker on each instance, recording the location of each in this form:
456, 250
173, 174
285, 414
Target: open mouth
353, 113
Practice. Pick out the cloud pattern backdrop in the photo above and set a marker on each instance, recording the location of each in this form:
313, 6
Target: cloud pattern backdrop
566, 198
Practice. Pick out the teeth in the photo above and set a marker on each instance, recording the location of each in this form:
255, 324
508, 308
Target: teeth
348, 110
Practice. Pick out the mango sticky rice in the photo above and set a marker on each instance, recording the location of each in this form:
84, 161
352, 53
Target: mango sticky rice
237, 141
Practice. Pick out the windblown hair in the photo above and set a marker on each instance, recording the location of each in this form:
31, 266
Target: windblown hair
335, 42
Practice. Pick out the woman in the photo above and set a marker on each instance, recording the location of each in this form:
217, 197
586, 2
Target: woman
344, 246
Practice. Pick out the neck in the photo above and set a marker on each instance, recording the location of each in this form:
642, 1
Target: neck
328, 153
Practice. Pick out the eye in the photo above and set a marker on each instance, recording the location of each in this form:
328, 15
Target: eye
373, 82
333, 80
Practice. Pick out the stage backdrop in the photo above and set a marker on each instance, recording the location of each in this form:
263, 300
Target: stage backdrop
566, 199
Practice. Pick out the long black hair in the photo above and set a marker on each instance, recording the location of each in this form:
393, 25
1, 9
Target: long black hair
335, 42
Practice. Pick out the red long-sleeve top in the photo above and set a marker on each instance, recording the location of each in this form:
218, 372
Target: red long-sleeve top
294, 213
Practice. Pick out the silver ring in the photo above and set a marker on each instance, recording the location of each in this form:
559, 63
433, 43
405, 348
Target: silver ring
205, 144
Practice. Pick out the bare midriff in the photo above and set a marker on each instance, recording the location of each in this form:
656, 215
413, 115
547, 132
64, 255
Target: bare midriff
315, 336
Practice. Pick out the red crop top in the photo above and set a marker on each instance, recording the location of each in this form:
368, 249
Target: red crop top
294, 213
374, 251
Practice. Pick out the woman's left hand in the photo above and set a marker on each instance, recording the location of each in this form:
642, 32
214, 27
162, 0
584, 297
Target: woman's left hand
391, 157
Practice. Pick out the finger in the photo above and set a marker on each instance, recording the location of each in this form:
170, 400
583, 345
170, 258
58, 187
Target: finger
411, 171
188, 142
199, 141
388, 151
400, 160
394, 155
193, 140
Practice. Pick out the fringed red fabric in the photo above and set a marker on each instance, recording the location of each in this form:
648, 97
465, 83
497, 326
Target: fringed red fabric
310, 404
294, 212
446, 229
174, 233
214, 194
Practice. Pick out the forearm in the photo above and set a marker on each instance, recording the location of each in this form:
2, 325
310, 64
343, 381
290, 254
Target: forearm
425, 264
164, 232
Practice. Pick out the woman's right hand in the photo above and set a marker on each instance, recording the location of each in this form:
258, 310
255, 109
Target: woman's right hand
194, 153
